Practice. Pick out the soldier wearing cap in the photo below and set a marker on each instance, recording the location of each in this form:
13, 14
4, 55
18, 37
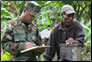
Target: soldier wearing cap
21, 34
66, 32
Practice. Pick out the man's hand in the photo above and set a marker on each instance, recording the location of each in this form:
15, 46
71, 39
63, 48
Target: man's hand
71, 41
29, 44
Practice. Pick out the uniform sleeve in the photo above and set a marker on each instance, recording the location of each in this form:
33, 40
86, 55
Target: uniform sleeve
38, 38
8, 43
50, 52
80, 34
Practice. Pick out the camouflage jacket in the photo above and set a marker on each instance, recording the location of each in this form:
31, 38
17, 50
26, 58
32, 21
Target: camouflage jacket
17, 34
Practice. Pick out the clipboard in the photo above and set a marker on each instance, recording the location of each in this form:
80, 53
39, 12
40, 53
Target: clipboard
34, 48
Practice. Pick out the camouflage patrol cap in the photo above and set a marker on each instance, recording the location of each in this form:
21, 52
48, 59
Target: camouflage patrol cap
68, 9
33, 7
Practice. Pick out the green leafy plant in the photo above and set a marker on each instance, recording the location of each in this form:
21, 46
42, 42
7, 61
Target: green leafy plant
50, 14
5, 56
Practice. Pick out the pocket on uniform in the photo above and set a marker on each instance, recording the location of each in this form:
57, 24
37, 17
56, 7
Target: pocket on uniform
19, 35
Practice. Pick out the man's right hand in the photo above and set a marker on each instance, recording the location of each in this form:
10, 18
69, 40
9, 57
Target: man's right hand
71, 41
29, 45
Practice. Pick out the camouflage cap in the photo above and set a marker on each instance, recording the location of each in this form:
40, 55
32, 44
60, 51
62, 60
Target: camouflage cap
68, 9
33, 7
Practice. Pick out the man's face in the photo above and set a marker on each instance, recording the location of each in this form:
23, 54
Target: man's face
68, 19
27, 16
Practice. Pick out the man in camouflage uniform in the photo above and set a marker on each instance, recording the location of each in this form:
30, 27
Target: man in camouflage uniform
22, 34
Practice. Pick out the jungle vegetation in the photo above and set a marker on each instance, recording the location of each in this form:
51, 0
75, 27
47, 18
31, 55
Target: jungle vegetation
50, 15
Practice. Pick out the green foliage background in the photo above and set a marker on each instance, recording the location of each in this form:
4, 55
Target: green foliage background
50, 15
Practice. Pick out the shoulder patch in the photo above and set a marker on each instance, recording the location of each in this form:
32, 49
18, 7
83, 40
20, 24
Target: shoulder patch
12, 22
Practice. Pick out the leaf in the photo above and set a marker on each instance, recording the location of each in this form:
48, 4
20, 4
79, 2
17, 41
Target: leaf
3, 30
21, 5
88, 23
88, 43
4, 12
5, 56
3, 19
41, 3
85, 27
82, 20
47, 17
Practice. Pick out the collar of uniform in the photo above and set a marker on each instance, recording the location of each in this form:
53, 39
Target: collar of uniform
20, 23
19, 20
61, 28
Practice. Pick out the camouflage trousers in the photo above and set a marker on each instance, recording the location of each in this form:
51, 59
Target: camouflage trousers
24, 57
